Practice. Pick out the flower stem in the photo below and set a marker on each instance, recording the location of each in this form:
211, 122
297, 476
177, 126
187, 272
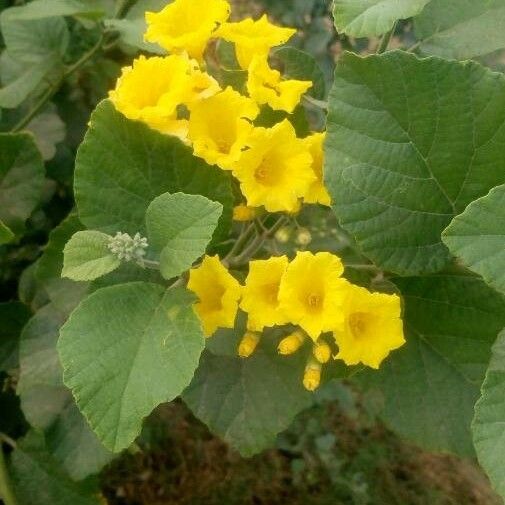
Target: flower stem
386, 39
6, 492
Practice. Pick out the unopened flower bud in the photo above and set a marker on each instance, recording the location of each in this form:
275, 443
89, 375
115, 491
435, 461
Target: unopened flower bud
303, 237
322, 352
128, 248
312, 375
282, 235
248, 343
244, 213
291, 343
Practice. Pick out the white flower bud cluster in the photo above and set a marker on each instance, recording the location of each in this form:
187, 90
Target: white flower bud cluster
128, 248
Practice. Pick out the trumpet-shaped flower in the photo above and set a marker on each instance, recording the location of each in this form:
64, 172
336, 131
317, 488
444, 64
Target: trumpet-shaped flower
219, 127
275, 169
265, 85
259, 295
186, 25
371, 329
312, 292
253, 38
218, 294
152, 88
317, 192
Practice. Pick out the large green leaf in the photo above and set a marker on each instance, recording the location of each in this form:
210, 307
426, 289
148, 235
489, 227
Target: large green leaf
248, 402
461, 29
489, 422
39, 9
48, 405
180, 227
86, 256
39, 480
21, 178
410, 144
365, 18
123, 165
13, 316
478, 237
32, 41
429, 386
125, 350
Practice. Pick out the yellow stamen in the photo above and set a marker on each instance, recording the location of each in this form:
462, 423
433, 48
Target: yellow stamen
291, 343
248, 343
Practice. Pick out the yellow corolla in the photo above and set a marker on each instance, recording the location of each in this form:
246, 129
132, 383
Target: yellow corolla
218, 294
152, 88
259, 295
219, 127
253, 37
312, 292
266, 86
274, 171
186, 25
371, 329
317, 192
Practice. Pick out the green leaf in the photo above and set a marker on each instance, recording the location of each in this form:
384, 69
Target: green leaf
87, 257
461, 29
302, 66
6, 234
48, 130
430, 385
17, 90
13, 316
125, 350
39, 480
48, 405
366, 18
63, 293
21, 178
39, 9
180, 226
478, 237
248, 402
489, 422
131, 32
33, 41
131, 165
410, 143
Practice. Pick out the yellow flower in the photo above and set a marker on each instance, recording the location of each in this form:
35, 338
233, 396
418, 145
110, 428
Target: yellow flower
152, 88
218, 293
186, 25
219, 127
372, 327
312, 292
244, 213
253, 38
317, 192
275, 169
321, 351
259, 295
266, 86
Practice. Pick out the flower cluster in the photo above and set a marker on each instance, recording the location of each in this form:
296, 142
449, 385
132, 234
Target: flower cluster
310, 299
175, 95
